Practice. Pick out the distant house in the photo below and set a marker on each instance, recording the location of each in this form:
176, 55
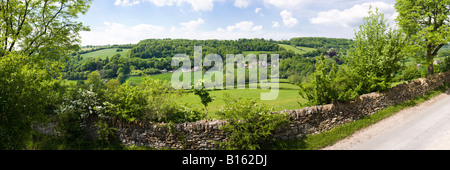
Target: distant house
254, 63
185, 70
241, 64
263, 63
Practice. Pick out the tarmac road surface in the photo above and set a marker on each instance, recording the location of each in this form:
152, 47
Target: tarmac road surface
428, 129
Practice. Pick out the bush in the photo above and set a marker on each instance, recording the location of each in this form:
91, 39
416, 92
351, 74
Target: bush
249, 124
152, 100
329, 86
161, 106
78, 106
121, 77
127, 102
106, 136
411, 72
319, 90
294, 79
27, 90
150, 71
445, 65
371, 65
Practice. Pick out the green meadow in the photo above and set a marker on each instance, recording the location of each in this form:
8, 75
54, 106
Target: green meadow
105, 53
288, 96
298, 49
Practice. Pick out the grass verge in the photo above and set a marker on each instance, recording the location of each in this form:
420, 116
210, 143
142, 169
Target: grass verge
328, 138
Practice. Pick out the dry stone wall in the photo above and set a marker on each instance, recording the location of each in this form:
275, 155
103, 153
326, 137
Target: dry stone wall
321, 118
204, 135
201, 135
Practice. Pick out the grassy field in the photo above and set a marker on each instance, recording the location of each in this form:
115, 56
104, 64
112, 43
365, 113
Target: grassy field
413, 60
288, 96
69, 82
245, 53
105, 53
139, 79
297, 50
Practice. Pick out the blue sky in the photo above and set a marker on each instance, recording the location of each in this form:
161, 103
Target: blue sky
129, 21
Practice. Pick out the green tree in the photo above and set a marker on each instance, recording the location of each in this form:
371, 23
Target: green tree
121, 77
94, 79
128, 102
120, 70
319, 90
34, 38
204, 95
94, 82
376, 53
371, 64
427, 22
44, 29
112, 84
26, 91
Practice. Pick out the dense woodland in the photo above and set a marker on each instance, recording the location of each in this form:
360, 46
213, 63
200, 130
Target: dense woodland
153, 48
320, 42
152, 55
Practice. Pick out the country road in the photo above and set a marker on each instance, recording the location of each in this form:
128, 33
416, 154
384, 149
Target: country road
423, 127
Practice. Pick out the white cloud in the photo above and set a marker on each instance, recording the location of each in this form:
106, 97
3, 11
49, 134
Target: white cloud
189, 26
257, 28
353, 16
200, 5
275, 24
197, 5
288, 19
126, 2
115, 33
258, 11
286, 4
244, 26
241, 3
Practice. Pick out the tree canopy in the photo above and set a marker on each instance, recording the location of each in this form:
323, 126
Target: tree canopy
44, 28
35, 35
427, 22
371, 64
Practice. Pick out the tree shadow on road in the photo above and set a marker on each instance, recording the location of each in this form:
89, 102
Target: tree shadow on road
448, 89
